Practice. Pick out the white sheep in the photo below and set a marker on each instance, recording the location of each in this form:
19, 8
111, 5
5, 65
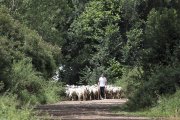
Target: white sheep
92, 92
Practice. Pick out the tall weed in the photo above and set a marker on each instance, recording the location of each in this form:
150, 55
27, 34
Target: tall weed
10, 110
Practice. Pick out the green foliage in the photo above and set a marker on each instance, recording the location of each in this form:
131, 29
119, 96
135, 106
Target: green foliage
133, 50
162, 36
135, 43
94, 38
167, 106
113, 72
96, 16
1, 86
23, 42
91, 76
155, 50
26, 82
30, 86
26, 62
131, 80
9, 110
165, 80
44, 56
53, 91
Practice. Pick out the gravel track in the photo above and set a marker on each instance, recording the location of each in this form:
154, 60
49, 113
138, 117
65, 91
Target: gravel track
84, 110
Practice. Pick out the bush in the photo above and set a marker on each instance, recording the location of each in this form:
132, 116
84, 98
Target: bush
17, 42
130, 81
53, 91
165, 80
167, 106
30, 86
9, 110
25, 82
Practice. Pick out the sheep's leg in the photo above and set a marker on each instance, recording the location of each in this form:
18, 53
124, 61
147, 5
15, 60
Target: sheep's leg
120, 95
79, 98
94, 96
90, 97
111, 95
83, 98
105, 93
98, 94
72, 98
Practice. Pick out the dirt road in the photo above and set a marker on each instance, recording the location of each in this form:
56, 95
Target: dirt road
83, 110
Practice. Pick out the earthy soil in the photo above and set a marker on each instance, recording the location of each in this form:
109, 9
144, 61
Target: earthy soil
84, 110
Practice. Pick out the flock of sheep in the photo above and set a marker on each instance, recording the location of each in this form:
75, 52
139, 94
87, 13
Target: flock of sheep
92, 92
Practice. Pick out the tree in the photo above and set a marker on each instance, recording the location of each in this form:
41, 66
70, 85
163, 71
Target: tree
162, 36
92, 35
18, 41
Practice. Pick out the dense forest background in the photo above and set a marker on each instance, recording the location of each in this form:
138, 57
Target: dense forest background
135, 43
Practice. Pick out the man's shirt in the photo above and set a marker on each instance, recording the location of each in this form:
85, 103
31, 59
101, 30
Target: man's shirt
102, 81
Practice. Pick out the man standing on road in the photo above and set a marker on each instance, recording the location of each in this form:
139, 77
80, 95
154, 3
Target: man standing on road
102, 84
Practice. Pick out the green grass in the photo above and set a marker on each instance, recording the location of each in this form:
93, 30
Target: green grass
10, 110
168, 106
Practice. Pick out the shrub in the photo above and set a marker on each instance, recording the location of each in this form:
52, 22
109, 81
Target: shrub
30, 86
53, 91
130, 81
165, 80
25, 82
18, 41
9, 110
168, 106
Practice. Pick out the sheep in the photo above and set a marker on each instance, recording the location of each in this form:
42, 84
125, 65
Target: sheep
109, 91
95, 91
92, 92
81, 93
116, 92
71, 94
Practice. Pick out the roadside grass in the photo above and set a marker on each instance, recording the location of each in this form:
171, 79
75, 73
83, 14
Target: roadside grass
10, 109
167, 107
